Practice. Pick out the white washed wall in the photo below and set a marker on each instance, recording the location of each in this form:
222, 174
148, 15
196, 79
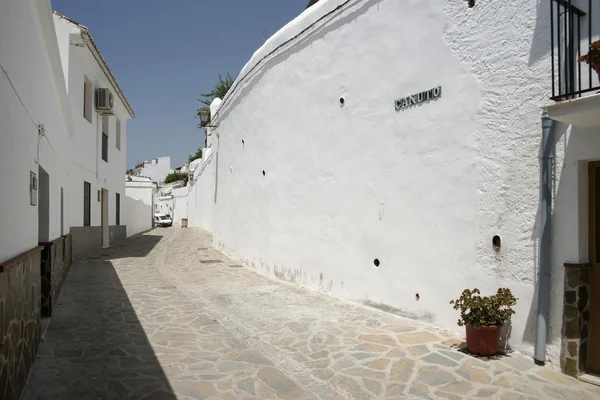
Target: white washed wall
201, 198
424, 189
138, 205
157, 171
86, 145
180, 204
137, 216
29, 58
165, 205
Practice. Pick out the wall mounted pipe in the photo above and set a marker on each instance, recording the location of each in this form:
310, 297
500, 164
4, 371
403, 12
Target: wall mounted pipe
547, 156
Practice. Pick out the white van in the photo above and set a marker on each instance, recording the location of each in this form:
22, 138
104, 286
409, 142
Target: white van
162, 220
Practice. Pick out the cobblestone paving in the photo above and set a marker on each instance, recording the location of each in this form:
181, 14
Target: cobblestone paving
165, 316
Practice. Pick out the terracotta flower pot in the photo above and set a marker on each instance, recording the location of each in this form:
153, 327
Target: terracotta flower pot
483, 340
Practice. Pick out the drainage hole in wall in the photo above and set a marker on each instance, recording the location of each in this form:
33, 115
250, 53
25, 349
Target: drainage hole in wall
497, 243
342, 101
376, 262
264, 173
243, 143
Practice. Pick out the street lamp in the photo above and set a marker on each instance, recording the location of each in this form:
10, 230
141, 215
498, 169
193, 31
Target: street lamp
205, 118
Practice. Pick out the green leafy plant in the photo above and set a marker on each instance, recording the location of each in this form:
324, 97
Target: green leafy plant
175, 177
480, 310
219, 91
196, 156
593, 55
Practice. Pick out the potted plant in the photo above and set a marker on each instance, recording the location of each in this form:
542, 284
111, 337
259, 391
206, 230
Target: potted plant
593, 57
483, 317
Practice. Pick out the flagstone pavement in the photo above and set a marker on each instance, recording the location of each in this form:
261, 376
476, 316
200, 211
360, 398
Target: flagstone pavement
165, 316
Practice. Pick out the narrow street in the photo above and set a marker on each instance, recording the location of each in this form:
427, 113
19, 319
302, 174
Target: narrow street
165, 316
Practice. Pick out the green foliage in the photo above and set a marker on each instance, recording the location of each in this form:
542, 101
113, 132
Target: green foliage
219, 90
175, 177
484, 311
196, 156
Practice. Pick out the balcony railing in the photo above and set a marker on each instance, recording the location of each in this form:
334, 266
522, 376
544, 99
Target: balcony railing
572, 32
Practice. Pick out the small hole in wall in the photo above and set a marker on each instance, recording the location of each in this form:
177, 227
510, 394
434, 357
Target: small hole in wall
264, 173
243, 143
376, 262
417, 296
496, 243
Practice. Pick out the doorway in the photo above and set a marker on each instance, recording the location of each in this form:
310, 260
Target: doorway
43, 205
104, 219
593, 365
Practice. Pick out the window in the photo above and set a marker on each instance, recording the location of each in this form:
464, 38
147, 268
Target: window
118, 210
118, 135
104, 146
105, 138
87, 200
88, 99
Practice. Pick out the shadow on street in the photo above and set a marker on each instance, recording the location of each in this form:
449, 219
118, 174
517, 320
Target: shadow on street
95, 346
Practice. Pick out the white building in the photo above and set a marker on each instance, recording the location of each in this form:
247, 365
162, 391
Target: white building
62, 164
98, 147
380, 150
156, 169
35, 129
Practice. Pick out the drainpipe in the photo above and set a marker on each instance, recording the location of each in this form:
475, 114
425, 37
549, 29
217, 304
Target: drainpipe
545, 236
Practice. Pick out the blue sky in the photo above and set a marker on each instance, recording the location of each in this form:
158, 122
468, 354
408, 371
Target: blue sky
164, 53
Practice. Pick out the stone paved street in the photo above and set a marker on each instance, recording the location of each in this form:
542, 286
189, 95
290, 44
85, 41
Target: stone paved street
165, 316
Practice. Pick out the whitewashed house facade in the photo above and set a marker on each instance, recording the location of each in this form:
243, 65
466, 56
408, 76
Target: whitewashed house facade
35, 131
63, 164
98, 147
389, 153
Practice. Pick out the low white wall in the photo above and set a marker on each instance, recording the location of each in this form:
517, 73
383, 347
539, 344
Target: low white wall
180, 204
137, 216
201, 198
138, 206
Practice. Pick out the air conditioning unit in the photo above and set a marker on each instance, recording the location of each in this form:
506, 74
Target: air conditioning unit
104, 101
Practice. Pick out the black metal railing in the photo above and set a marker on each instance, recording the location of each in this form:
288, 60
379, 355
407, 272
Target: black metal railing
572, 32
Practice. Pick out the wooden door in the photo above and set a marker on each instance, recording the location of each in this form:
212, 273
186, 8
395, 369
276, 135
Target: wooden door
594, 249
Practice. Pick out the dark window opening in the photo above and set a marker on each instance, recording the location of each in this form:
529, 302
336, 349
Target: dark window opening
118, 210
105, 147
87, 200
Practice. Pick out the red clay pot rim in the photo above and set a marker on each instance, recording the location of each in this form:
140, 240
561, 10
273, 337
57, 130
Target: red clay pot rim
490, 327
